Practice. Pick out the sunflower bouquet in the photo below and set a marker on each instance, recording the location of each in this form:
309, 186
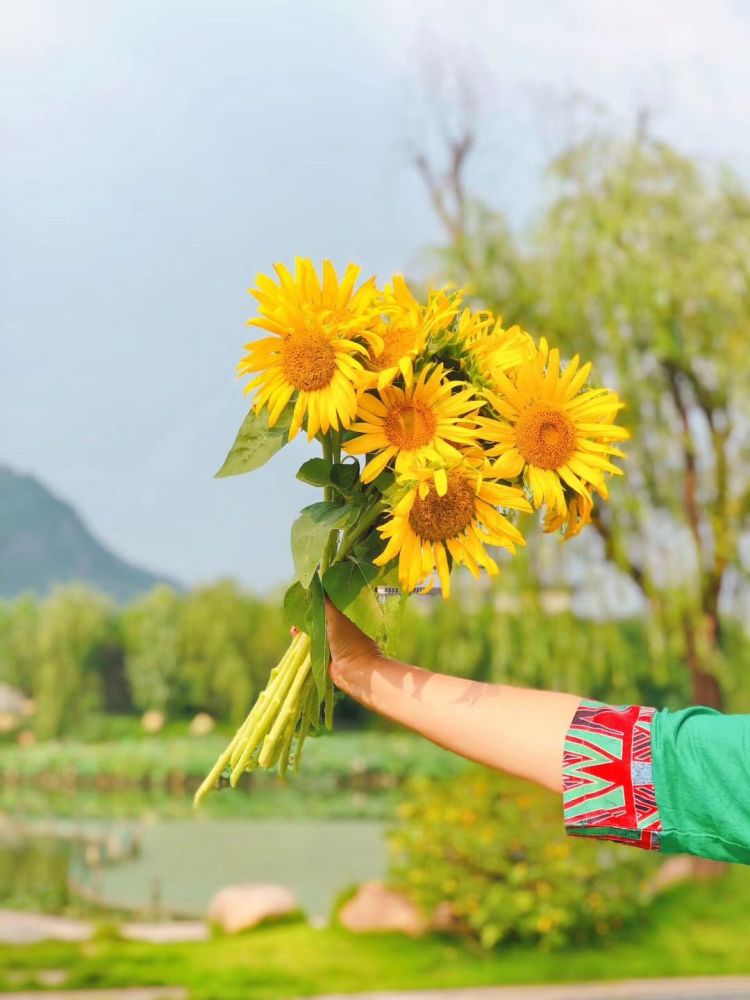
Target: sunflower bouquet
436, 427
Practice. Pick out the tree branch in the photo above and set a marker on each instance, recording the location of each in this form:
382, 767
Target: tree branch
447, 191
615, 553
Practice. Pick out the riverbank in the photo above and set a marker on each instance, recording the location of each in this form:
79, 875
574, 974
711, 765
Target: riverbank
347, 774
692, 930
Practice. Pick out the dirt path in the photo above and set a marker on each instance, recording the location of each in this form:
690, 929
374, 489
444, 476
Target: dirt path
689, 988
141, 993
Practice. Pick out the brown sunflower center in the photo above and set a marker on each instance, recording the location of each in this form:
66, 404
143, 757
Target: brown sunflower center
436, 518
308, 361
545, 436
410, 425
397, 343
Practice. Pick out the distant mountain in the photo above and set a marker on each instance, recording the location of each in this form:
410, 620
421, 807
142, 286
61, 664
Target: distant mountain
43, 541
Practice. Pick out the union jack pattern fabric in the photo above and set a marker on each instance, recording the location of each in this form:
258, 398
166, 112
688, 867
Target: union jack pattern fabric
608, 784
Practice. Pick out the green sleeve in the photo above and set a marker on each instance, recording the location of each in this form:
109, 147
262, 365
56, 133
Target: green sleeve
701, 761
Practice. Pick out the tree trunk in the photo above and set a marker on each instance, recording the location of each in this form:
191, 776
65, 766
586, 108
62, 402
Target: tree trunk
699, 651
706, 691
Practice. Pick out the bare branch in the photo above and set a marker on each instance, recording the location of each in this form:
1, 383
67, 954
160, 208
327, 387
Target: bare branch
447, 190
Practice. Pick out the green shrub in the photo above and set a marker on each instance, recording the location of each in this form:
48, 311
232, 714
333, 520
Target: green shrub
494, 849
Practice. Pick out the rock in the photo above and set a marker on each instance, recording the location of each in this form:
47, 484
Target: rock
240, 907
166, 932
676, 869
152, 722
9, 722
201, 725
12, 701
444, 920
375, 907
18, 927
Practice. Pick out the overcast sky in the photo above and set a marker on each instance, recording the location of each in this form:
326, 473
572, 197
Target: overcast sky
157, 153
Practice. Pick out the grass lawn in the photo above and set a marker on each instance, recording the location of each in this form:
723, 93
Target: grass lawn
700, 929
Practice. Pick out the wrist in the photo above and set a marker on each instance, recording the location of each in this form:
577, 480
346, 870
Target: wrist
350, 672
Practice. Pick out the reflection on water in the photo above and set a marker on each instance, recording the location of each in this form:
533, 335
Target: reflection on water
173, 867
35, 873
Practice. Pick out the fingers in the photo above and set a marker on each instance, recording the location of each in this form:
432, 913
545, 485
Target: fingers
339, 627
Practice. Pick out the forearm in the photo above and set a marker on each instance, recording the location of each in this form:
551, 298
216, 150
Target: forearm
518, 730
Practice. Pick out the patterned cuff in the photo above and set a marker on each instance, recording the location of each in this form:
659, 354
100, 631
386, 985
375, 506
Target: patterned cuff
608, 784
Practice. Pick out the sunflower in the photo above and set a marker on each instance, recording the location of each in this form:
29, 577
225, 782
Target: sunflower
426, 421
501, 351
481, 346
472, 325
311, 355
402, 332
553, 433
428, 527
571, 520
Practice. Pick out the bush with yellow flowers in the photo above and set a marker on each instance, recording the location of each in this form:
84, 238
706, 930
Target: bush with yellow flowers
436, 427
493, 850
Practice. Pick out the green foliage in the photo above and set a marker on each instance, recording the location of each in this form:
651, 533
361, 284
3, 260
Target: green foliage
315, 472
629, 660
305, 609
72, 626
639, 262
311, 532
349, 586
152, 653
211, 650
227, 641
495, 851
18, 630
34, 875
695, 929
129, 774
256, 443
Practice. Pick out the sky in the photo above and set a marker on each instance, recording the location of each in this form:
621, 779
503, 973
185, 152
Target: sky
156, 154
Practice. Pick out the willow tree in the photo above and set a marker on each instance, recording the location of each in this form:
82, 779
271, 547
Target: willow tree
642, 262
72, 626
645, 263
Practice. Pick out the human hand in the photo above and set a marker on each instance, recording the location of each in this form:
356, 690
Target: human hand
350, 648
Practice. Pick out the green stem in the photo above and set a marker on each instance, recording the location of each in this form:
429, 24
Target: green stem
335, 446
328, 449
234, 748
275, 680
309, 700
271, 711
289, 712
361, 528
326, 445
286, 746
329, 702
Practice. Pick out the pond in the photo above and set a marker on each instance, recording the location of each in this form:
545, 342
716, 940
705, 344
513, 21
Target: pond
163, 867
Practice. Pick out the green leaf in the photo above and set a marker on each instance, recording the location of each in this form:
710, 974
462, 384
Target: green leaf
305, 609
368, 547
345, 475
310, 533
297, 606
349, 585
315, 472
320, 653
384, 481
256, 442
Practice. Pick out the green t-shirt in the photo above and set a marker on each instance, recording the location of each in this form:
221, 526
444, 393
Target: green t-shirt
701, 761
